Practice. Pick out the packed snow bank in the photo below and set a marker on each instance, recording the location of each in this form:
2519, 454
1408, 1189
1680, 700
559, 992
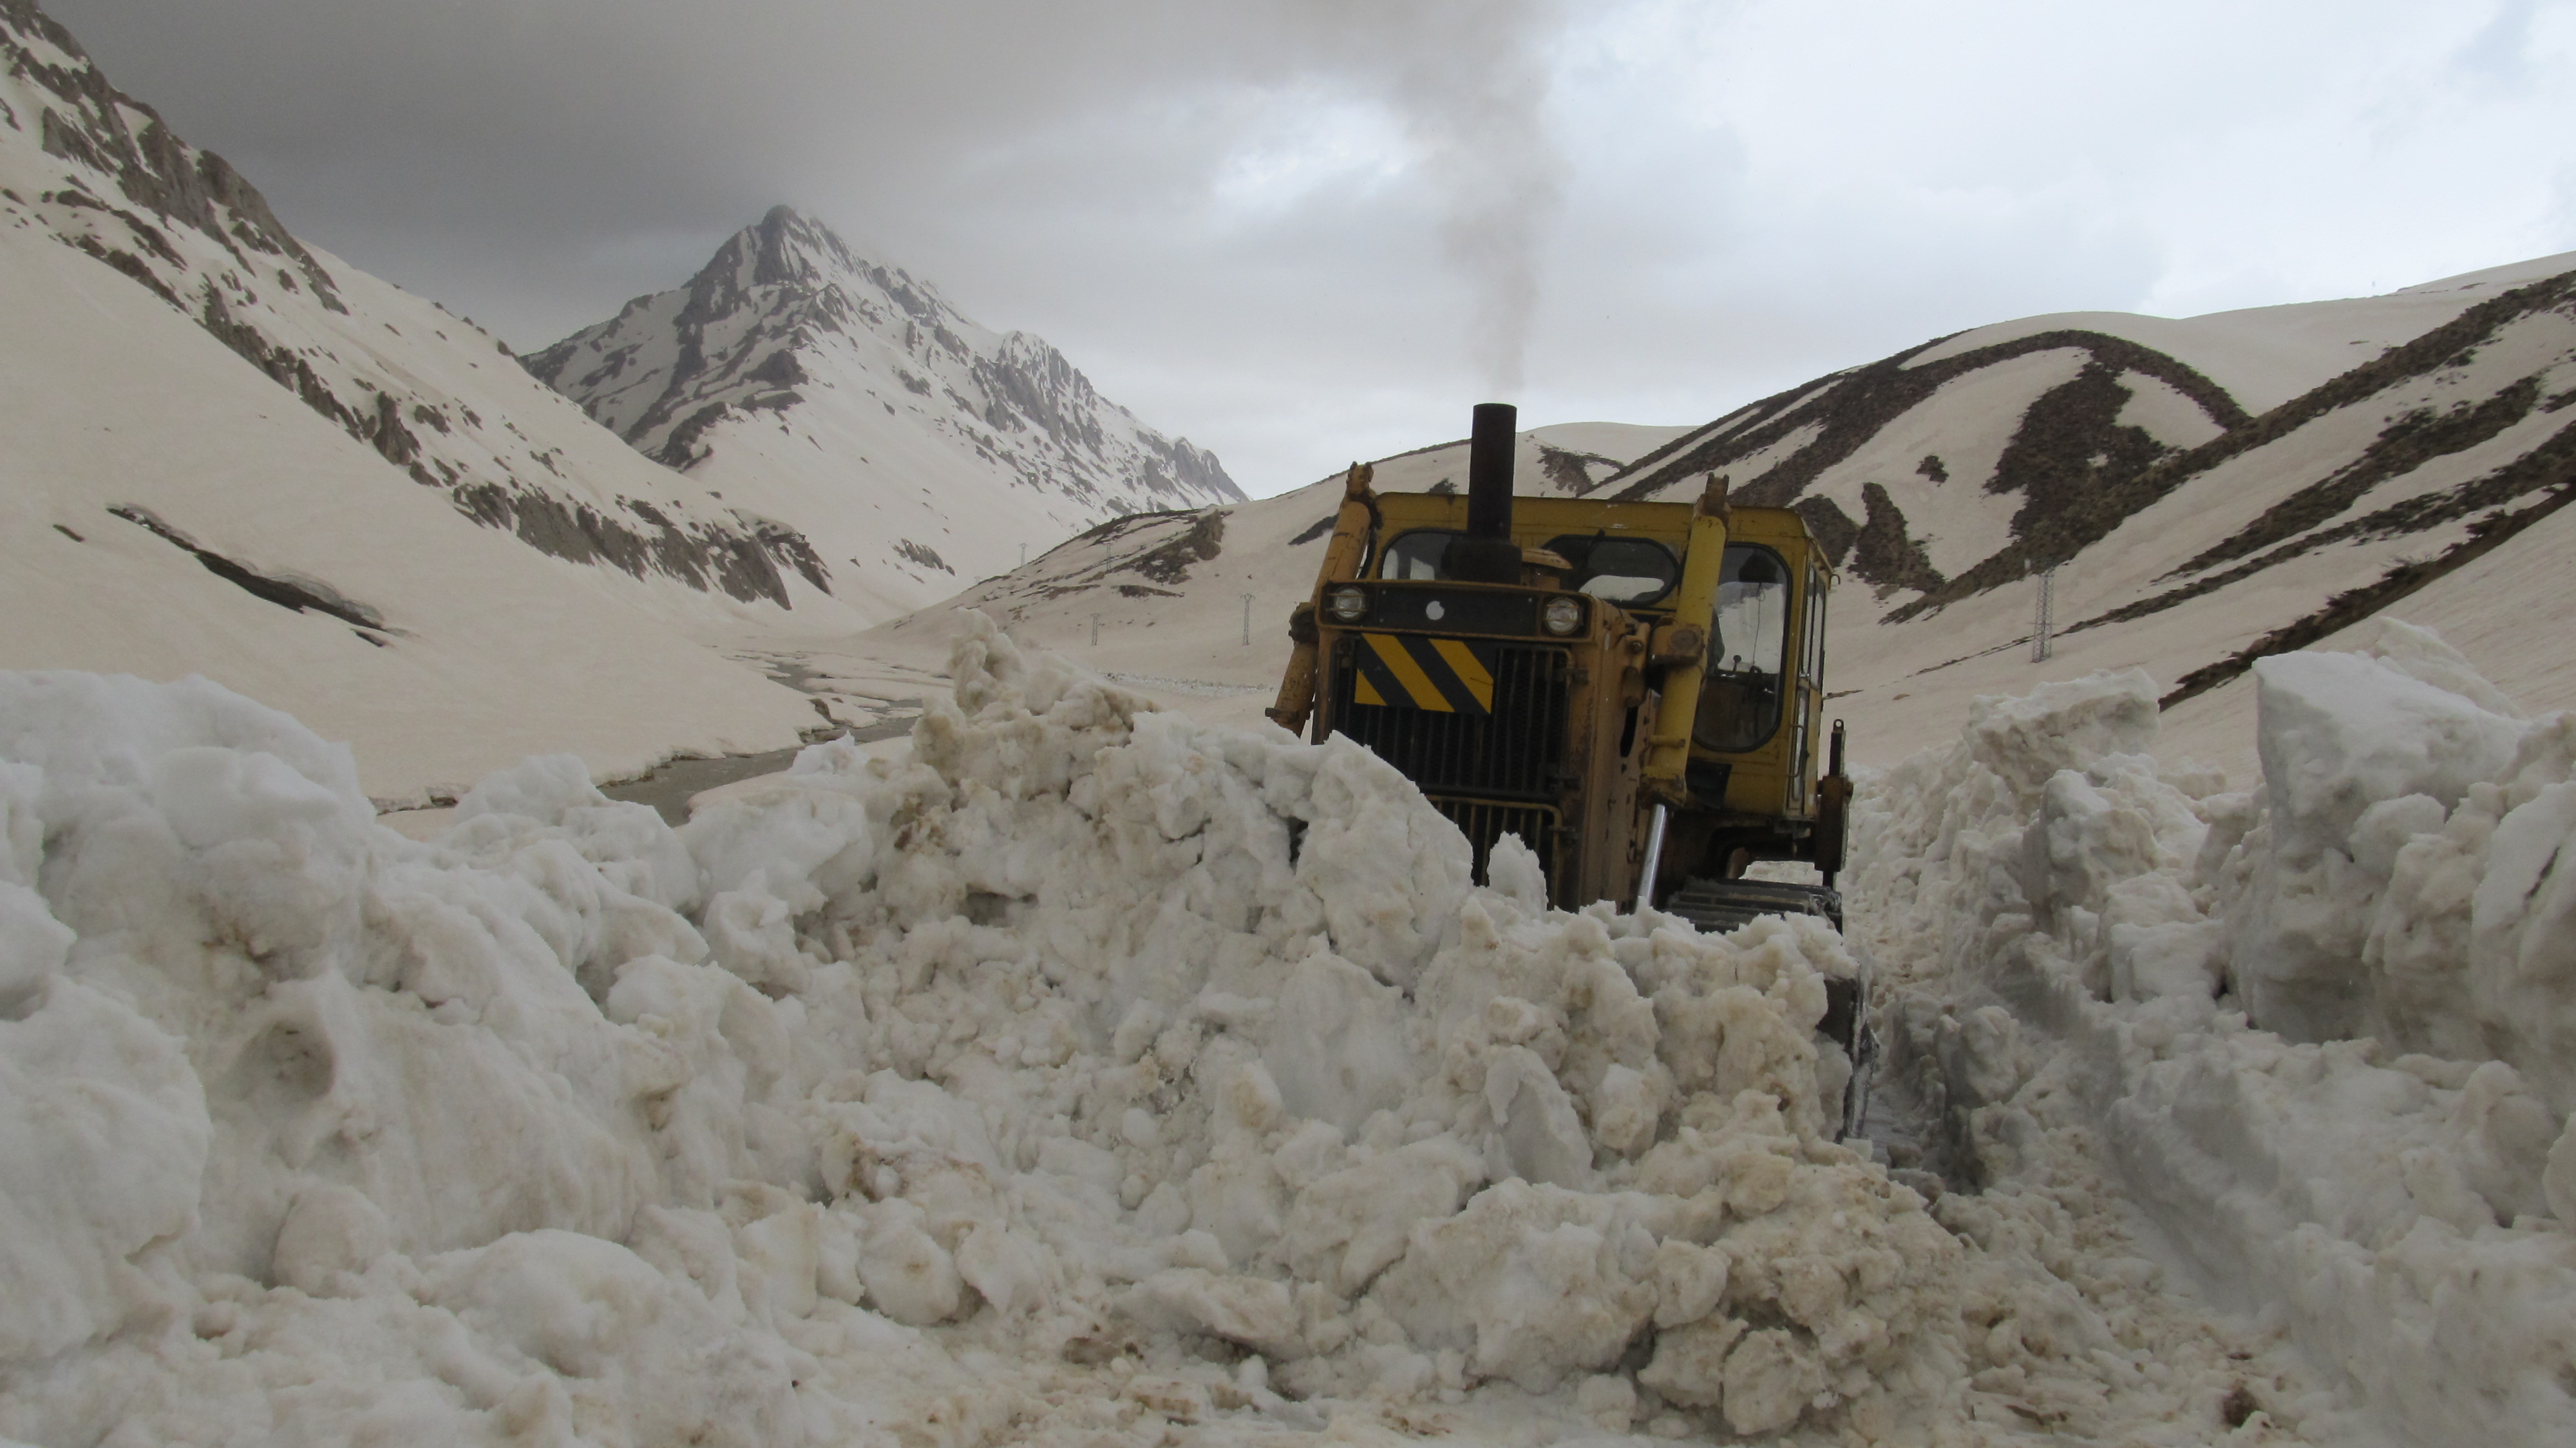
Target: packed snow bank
2323, 1027
1084, 1071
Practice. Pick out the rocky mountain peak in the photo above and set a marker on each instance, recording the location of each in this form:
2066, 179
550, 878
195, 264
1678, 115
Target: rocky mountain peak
789, 337
784, 250
791, 249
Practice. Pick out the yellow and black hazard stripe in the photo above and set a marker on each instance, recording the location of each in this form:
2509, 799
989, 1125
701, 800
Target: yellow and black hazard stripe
1446, 676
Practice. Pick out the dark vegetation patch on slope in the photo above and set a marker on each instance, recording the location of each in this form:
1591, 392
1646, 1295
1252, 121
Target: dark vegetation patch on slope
1572, 471
2403, 446
1879, 550
1698, 438
1884, 554
1831, 527
2346, 609
2550, 466
2068, 445
2119, 498
1851, 410
2068, 449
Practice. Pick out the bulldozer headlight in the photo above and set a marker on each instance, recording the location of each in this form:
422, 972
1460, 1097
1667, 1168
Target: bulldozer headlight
1561, 615
1347, 604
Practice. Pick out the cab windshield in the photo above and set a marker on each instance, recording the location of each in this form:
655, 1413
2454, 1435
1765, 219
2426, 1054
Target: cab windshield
1630, 572
1739, 698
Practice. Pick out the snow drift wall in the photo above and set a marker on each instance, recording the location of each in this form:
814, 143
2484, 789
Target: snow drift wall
1076, 1037
2322, 1026
1084, 1073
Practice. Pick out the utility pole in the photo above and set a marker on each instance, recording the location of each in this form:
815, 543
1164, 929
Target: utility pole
2039, 634
1095, 630
1024, 555
1247, 620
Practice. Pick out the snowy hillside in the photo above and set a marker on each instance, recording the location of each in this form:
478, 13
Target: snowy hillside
233, 455
1158, 600
2209, 489
924, 451
2353, 453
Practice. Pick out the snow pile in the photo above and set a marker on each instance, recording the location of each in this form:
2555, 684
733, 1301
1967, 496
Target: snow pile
2322, 1027
1088, 1066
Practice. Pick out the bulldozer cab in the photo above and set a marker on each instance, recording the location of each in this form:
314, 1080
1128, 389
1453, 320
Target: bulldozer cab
1758, 724
1559, 668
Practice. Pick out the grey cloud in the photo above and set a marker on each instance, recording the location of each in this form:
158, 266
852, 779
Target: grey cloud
1649, 226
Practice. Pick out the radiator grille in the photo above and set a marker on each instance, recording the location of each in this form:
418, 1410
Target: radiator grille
1516, 752
1485, 822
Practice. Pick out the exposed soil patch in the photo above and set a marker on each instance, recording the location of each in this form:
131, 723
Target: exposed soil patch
743, 564
300, 595
921, 553
1884, 553
1169, 562
1318, 529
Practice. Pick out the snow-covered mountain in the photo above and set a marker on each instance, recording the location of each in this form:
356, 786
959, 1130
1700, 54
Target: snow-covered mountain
101, 171
232, 454
850, 398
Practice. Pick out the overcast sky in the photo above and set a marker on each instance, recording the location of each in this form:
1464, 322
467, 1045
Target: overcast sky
1303, 231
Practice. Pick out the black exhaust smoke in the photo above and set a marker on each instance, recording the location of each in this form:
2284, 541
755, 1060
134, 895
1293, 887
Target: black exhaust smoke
1487, 554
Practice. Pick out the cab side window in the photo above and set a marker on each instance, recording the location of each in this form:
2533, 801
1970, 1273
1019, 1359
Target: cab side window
1740, 694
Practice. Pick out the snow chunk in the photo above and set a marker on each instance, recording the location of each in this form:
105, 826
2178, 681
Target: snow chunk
2365, 1129
2339, 732
103, 1137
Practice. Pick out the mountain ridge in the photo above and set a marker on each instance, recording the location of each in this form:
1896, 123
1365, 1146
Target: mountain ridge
198, 235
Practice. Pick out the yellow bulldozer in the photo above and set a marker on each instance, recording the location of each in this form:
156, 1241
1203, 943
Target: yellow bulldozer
1636, 690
